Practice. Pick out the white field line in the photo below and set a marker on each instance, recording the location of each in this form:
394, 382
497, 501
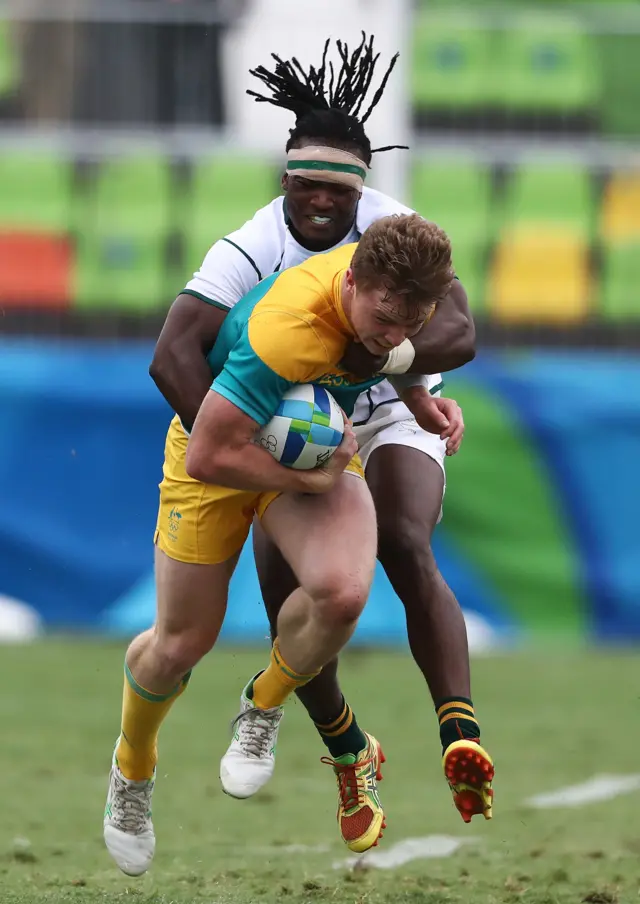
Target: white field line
427, 848
275, 849
600, 787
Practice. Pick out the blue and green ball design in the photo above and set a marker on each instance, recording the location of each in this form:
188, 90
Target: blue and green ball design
306, 429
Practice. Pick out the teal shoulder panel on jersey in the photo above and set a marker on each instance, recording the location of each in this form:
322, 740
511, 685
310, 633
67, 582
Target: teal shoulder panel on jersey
235, 322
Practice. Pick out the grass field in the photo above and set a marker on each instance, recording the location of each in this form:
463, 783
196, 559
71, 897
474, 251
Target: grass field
549, 722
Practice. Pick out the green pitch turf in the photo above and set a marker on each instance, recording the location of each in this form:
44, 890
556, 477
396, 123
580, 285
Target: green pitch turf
548, 721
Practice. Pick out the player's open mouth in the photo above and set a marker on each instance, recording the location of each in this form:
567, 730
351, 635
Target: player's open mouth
320, 221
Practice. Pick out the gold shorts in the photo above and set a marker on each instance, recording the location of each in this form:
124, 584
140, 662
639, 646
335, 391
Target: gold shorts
202, 523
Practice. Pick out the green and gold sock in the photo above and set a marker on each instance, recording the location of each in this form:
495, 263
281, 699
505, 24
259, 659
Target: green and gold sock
278, 681
343, 735
457, 720
143, 712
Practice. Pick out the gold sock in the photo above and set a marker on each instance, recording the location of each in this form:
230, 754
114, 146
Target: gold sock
274, 685
142, 715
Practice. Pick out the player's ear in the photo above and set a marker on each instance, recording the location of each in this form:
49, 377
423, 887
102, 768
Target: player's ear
284, 182
350, 281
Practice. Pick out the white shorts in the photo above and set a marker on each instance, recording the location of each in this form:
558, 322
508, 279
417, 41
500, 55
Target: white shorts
408, 433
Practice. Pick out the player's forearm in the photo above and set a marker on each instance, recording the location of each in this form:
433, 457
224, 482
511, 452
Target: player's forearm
432, 357
184, 382
242, 467
448, 340
412, 389
179, 368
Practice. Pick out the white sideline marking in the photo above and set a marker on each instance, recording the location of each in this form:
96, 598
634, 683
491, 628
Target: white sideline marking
291, 849
427, 848
600, 787
304, 848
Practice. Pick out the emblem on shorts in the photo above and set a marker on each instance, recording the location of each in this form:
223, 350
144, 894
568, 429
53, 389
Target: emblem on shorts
174, 522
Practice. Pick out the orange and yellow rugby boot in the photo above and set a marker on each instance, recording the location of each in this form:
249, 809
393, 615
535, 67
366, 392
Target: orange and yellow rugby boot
469, 770
360, 814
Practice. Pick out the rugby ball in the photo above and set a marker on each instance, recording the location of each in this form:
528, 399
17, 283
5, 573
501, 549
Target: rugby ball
306, 429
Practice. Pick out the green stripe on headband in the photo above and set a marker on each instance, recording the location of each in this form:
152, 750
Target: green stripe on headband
327, 167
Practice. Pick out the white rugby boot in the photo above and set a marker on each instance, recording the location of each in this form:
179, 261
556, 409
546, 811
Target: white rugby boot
128, 829
250, 759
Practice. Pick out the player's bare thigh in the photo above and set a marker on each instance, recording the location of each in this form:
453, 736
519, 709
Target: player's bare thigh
329, 540
191, 600
405, 472
407, 486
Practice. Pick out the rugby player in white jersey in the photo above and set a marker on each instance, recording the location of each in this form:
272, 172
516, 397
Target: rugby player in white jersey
324, 205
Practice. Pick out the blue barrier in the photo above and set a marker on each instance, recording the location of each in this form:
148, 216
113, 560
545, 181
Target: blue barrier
81, 456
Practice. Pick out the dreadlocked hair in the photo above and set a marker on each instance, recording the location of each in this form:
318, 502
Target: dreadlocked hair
328, 105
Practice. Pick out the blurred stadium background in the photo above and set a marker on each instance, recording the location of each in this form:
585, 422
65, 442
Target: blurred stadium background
128, 145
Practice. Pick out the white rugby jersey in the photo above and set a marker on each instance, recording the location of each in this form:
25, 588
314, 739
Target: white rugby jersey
264, 245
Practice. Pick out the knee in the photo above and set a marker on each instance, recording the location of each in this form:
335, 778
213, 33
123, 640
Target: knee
404, 546
177, 653
340, 598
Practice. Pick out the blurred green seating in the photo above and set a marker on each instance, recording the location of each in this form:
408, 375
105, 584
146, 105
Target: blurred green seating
122, 242
451, 66
454, 195
619, 107
457, 196
132, 195
224, 193
553, 195
546, 63
470, 263
35, 192
620, 279
9, 61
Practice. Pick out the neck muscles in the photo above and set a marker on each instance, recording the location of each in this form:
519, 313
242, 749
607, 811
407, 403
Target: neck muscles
315, 246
